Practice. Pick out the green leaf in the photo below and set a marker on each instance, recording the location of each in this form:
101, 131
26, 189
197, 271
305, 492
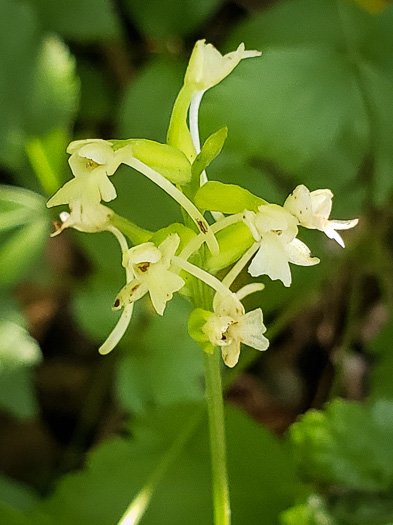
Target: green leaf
171, 19
287, 107
54, 92
347, 445
19, 352
73, 19
227, 198
26, 219
210, 150
47, 157
12, 516
147, 104
381, 384
263, 482
16, 494
165, 365
313, 512
42, 92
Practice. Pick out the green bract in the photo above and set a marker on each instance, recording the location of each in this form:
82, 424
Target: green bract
226, 198
196, 321
233, 242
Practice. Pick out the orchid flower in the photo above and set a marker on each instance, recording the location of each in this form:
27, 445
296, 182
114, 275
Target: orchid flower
150, 266
229, 326
274, 229
312, 210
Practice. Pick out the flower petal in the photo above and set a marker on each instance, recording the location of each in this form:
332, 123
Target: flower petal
272, 260
299, 253
251, 328
162, 286
230, 353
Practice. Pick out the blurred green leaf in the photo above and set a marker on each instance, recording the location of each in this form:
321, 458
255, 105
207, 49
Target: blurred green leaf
301, 98
263, 482
19, 352
147, 105
53, 95
173, 18
347, 445
41, 93
313, 512
16, 494
26, 219
12, 516
164, 365
79, 20
47, 157
381, 384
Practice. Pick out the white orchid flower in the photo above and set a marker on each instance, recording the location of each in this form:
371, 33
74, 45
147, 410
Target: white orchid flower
274, 230
229, 326
207, 66
94, 156
150, 267
312, 210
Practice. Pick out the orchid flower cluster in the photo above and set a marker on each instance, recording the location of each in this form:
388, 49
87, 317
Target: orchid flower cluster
185, 258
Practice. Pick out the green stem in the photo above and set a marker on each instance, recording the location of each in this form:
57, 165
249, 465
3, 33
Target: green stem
215, 404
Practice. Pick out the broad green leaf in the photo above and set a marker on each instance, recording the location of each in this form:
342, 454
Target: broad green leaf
171, 19
19, 352
263, 482
164, 365
147, 104
347, 445
80, 20
286, 107
227, 198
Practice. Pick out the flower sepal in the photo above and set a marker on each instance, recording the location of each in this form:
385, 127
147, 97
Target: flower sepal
196, 322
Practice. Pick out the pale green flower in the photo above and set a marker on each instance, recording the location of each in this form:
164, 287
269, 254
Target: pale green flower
207, 66
150, 266
275, 230
229, 326
91, 162
312, 210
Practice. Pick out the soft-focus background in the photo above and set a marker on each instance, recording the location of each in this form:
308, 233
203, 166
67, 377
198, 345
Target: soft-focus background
82, 434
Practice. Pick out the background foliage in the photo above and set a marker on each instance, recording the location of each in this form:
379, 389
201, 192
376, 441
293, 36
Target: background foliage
82, 435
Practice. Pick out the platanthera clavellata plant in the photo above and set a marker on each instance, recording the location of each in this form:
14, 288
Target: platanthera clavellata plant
244, 230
